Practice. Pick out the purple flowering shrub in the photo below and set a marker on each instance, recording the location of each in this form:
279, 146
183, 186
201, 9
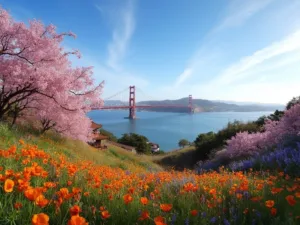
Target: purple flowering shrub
285, 159
246, 144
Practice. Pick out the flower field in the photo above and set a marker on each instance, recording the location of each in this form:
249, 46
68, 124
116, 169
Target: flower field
41, 188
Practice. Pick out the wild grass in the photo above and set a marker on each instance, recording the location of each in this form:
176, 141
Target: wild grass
66, 182
76, 150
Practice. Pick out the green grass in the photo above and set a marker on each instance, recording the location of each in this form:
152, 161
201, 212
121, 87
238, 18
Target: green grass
184, 158
77, 150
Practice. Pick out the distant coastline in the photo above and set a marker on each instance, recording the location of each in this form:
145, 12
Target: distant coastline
202, 105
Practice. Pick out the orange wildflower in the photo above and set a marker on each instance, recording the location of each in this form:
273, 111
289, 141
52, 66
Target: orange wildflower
276, 190
297, 194
41, 201
144, 200
273, 211
255, 199
127, 198
270, 203
194, 212
145, 215
40, 219
291, 200
102, 208
75, 210
9, 185
86, 193
77, 220
159, 220
18, 205
166, 207
239, 196
32, 194
105, 214
213, 191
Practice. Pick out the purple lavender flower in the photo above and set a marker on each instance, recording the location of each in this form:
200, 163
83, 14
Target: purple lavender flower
226, 222
213, 220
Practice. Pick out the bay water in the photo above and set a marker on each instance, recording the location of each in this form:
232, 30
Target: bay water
165, 128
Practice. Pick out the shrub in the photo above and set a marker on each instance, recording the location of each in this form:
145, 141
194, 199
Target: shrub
140, 142
247, 144
110, 135
285, 159
183, 142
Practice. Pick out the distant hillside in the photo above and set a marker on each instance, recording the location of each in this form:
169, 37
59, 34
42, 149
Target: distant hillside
202, 105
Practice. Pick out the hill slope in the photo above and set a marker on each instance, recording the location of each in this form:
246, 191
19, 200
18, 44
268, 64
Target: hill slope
77, 150
202, 105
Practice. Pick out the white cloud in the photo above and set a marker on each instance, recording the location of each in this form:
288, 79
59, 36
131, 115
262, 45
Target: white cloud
240, 10
121, 35
241, 69
182, 77
237, 13
99, 8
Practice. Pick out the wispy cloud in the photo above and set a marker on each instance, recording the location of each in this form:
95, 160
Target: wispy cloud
182, 77
241, 69
239, 11
122, 34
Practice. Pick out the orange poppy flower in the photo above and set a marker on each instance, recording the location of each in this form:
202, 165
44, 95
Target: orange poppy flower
105, 214
127, 198
213, 191
32, 194
255, 199
41, 201
159, 220
273, 211
77, 220
291, 200
40, 219
75, 210
239, 196
194, 212
18, 205
276, 190
145, 215
102, 208
9, 185
270, 203
144, 200
166, 207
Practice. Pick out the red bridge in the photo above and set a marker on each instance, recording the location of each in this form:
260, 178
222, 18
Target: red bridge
132, 104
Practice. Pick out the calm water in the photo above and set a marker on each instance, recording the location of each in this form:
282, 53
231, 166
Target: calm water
167, 129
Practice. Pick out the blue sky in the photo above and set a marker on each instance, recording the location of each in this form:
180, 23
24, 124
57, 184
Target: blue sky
242, 50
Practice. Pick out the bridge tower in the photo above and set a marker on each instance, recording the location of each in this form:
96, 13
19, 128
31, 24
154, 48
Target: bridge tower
132, 108
191, 110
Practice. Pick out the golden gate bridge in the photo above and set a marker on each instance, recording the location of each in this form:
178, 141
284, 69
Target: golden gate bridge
132, 107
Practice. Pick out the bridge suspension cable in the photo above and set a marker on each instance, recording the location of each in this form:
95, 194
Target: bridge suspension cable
148, 97
118, 93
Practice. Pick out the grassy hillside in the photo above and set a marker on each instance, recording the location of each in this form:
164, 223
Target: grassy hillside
180, 159
47, 180
76, 150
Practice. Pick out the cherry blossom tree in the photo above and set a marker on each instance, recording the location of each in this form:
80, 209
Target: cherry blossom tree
245, 144
37, 75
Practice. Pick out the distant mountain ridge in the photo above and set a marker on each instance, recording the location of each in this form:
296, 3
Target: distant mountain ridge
203, 105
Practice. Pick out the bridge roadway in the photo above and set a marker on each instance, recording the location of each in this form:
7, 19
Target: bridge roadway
142, 107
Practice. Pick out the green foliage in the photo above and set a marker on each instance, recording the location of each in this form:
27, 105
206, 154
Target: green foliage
207, 142
183, 142
294, 101
110, 135
140, 142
